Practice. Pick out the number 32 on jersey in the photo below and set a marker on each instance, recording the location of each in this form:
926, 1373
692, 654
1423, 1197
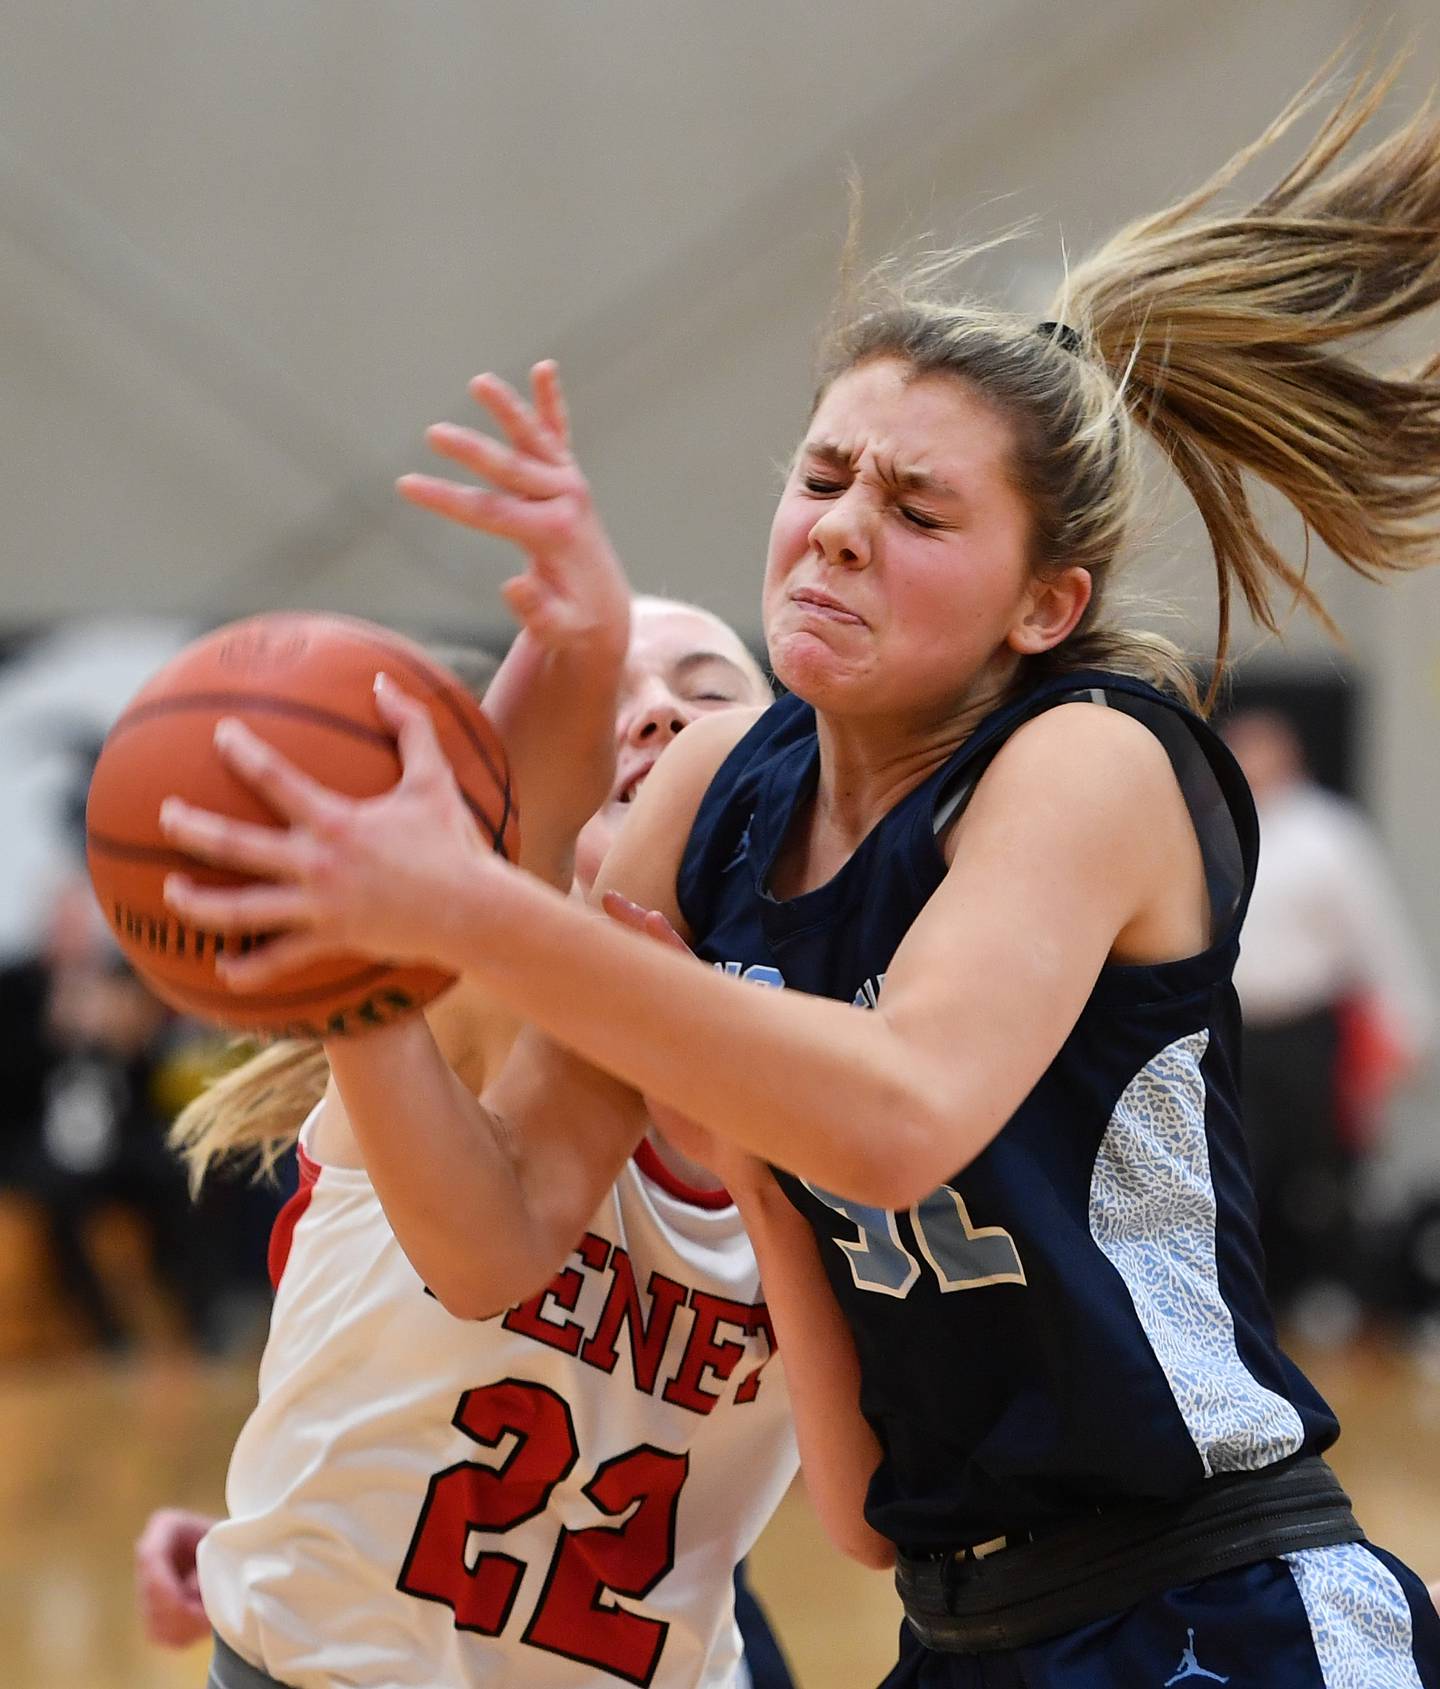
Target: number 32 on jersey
960, 1254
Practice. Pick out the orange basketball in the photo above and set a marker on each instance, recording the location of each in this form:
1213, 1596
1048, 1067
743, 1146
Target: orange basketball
305, 683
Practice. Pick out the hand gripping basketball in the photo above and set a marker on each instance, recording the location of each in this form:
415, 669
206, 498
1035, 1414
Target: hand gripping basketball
369, 876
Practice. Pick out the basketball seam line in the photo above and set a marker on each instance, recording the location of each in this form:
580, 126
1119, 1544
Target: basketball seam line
339, 724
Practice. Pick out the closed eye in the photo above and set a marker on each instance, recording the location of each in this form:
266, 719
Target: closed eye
822, 489
919, 518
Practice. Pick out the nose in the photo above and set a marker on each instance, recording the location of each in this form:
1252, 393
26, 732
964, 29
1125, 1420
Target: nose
657, 717
842, 533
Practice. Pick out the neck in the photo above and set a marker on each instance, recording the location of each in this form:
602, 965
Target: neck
868, 764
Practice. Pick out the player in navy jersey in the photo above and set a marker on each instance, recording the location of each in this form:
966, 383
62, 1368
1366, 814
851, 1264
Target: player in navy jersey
988, 866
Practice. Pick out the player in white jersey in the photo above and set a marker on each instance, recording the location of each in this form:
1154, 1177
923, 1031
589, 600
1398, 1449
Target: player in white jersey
555, 1495
559, 1493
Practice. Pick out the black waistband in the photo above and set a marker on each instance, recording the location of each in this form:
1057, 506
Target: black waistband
229, 1670
1026, 1593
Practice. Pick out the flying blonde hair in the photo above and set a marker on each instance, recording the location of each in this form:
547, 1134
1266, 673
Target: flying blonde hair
1222, 336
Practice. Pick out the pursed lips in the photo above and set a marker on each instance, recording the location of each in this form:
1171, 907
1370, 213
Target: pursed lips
827, 606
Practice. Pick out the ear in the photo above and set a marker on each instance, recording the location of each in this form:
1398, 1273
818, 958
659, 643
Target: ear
1052, 606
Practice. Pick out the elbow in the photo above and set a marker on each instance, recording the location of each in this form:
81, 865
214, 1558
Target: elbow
842, 1517
904, 1164
898, 1187
920, 1123
474, 1289
464, 1298
870, 1549
856, 1541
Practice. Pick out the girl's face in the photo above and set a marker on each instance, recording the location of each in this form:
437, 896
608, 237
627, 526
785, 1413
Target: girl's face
897, 582
682, 663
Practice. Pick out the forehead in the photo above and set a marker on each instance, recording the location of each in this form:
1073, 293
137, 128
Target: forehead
662, 635
932, 424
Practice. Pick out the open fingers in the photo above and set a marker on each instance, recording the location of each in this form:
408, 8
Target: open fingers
417, 741
550, 399
648, 921
657, 927
520, 425
513, 471
272, 960
237, 909
528, 522
623, 911
291, 793
272, 853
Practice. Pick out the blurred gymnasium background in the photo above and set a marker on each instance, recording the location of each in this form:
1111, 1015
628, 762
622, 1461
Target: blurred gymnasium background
247, 254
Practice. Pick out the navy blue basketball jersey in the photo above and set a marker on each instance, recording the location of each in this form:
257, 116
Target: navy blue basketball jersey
1077, 1317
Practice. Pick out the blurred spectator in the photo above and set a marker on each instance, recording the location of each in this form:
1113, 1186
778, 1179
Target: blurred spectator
1338, 1012
93, 1069
99, 1141
24, 1060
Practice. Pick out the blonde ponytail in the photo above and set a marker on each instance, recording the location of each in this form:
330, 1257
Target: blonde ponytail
1225, 331
1220, 335
252, 1113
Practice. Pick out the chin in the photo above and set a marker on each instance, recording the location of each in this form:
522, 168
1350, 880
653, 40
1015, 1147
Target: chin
805, 664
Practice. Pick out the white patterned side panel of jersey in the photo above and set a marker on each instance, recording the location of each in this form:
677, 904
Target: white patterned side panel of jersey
1153, 1215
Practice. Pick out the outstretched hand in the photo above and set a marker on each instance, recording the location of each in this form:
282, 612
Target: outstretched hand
371, 876
574, 588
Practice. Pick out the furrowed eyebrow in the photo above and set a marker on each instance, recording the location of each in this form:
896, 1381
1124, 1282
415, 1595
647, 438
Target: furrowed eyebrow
898, 480
826, 451
920, 481
915, 481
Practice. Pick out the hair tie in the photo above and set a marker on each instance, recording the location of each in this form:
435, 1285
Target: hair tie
1063, 335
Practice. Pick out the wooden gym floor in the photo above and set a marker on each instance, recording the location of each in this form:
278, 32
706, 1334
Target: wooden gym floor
88, 1447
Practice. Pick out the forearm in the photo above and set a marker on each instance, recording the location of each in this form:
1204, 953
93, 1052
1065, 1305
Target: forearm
815, 1085
485, 1213
838, 1451
554, 708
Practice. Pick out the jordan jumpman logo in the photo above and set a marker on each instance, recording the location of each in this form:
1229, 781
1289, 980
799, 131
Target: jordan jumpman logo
742, 849
1191, 1667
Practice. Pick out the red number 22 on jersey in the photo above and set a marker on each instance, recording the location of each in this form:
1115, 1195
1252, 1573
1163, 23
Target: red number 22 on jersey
626, 1560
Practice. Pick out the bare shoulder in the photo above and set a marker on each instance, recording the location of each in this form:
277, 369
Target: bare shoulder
1078, 771
1081, 809
1086, 746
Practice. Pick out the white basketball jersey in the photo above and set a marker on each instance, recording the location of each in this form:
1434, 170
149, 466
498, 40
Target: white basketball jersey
557, 1495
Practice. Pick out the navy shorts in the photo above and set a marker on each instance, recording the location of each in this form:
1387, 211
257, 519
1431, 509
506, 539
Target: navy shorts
1351, 1617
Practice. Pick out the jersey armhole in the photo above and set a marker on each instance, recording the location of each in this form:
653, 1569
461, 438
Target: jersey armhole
647, 1159
282, 1231
1221, 810
775, 725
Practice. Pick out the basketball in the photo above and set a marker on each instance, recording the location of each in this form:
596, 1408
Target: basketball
305, 683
